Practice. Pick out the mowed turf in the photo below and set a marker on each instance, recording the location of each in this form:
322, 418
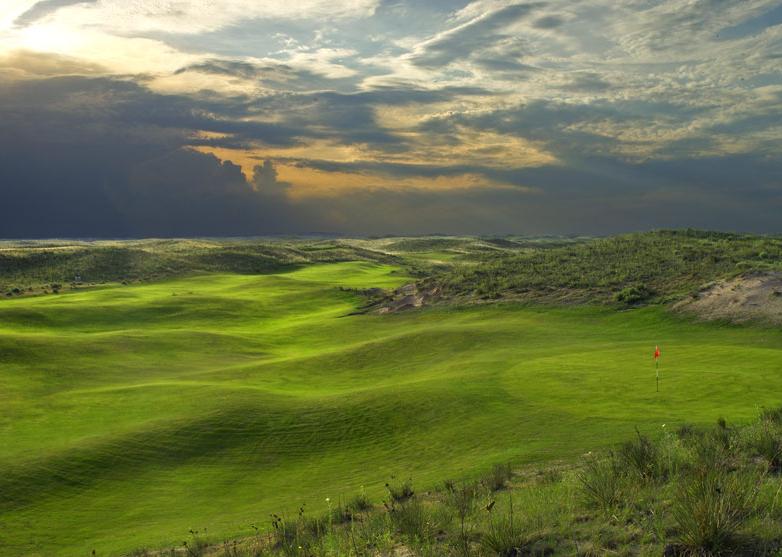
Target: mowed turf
129, 415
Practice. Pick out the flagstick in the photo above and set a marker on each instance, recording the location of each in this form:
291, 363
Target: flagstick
657, 373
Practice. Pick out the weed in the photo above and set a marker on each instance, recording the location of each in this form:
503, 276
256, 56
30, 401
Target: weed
463, 499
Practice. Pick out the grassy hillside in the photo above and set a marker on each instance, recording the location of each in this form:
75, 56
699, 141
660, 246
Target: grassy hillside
131, 414
32, 267
644, 267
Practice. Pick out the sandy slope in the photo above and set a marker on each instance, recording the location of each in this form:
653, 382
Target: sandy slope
757, 296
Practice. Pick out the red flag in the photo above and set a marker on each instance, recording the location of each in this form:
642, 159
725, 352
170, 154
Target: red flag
656, 352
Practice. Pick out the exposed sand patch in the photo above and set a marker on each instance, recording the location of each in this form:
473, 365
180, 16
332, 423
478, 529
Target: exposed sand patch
755, 296
408, 297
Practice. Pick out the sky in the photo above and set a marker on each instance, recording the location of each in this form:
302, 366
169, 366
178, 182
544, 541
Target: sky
132, 118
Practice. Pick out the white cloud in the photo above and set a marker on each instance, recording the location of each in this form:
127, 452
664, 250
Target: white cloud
198, 16
323, 61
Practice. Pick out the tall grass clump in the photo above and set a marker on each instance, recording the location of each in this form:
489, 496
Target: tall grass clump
711, 506
765, 440
400, 491
299, 537
772, 415
197, 545
499, 476
505, 537
345, 511
415, 520
651, 459
717, 447
642, 457
601, 481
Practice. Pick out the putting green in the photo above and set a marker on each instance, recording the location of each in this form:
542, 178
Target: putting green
129, 415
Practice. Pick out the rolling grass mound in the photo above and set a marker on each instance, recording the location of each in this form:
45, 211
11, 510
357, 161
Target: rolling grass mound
133, 414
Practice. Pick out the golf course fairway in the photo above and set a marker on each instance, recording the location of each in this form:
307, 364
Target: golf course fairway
131, 414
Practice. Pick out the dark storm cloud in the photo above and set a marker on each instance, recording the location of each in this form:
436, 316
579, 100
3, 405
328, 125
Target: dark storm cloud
125, 105
45, 7
104, 157
89, 172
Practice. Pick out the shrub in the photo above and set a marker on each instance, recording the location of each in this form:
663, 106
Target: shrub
631, 295
710, 508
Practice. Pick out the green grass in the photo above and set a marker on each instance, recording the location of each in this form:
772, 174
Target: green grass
131, 414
